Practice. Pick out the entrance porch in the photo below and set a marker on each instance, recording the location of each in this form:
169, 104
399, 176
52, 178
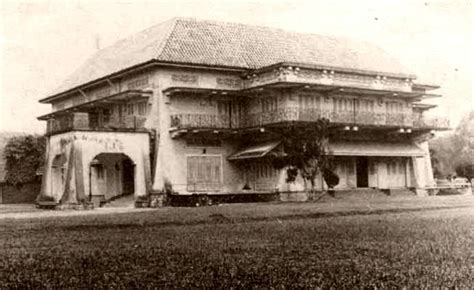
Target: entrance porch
96, 166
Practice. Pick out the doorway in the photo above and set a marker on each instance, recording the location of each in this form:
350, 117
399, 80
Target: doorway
362, 168
111, 175
128, 177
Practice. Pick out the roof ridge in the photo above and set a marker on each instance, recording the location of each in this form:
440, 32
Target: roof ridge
161, 47
272, 28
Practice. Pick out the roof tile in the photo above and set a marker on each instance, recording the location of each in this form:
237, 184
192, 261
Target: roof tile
199, 42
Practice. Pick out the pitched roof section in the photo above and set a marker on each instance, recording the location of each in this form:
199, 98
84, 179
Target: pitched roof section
191, 41
229, 44
137, 49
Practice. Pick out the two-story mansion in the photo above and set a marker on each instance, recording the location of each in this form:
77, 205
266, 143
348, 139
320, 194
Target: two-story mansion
198, 105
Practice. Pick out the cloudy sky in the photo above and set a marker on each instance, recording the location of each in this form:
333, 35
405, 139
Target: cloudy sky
42, 42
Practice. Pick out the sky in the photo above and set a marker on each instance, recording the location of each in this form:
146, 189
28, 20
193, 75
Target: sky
43, 42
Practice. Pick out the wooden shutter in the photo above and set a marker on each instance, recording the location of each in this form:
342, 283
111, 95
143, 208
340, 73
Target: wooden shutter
204, 173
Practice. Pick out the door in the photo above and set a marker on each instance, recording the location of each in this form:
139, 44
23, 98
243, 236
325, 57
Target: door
362, 168
128, 177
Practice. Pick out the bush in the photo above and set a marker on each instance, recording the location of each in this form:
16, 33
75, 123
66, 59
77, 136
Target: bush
330, 178
24, 156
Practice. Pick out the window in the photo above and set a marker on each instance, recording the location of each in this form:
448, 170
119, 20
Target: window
262, 170
343, 105
223, 108
393, 167
204, 173
142, 108
401, 168
394, 107
366, 105
106, 115
130, 110
372, 168
307, 101
100, 171
268, 104
206, 102
350, 168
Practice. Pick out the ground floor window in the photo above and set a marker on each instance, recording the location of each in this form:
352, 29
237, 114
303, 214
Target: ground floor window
261, 176
204, 172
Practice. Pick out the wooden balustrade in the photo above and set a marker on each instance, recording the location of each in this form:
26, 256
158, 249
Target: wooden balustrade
431, 122
82, 122
189, 121
200, 121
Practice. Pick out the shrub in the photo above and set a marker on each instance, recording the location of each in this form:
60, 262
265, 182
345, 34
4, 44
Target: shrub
168, 187
24, 156
330, 178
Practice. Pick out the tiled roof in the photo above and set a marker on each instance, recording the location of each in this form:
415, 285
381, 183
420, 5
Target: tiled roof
211, 43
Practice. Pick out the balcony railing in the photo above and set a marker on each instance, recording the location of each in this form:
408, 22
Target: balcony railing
82, 122
431, 123
196, 121
204, 121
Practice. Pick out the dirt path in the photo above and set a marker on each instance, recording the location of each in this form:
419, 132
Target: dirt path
258, 211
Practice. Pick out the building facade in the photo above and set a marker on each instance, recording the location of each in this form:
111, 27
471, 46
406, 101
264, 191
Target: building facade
199, 105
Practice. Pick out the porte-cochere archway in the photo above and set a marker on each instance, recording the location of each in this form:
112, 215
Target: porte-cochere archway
111, 175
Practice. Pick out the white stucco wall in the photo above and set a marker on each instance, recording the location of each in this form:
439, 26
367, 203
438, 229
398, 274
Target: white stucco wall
88, 145
172, 153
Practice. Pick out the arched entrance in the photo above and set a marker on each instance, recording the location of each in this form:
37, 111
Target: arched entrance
111, 175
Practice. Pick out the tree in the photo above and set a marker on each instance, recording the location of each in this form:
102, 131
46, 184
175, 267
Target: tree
24, 156
305, 151
465, 170
454, 152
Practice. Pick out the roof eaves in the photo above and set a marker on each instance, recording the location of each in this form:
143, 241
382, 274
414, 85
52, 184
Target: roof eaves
152, 62
426, 86
327, 67
423, 107
96, 81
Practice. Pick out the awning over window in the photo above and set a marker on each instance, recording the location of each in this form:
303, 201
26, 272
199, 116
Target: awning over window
339, 149
255, 151
375, 149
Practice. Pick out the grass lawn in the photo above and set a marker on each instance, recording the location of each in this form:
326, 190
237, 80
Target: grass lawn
340, 244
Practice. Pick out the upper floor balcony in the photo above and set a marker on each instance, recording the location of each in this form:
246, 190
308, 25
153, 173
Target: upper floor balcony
80, 121
435, 123
123, 111
295, 114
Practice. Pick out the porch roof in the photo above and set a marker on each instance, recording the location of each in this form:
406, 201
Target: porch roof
117, 97
375, 149
255, 151
339, 149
